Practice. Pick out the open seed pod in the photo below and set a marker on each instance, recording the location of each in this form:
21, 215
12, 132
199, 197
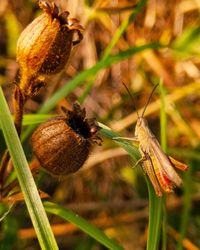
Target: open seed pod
63, 144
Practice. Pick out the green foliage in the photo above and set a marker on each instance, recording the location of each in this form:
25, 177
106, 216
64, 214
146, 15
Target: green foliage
188, 44
86, 227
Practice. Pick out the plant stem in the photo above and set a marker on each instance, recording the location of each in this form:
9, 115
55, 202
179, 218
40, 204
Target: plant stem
18, 104
4, 162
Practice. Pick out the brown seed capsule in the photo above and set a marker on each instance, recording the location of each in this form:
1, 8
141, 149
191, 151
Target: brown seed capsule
63, 144
45, 45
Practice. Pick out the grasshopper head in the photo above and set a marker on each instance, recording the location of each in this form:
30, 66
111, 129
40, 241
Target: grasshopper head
141, 128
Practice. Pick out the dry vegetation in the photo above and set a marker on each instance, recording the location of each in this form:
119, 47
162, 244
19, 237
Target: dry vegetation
107, 191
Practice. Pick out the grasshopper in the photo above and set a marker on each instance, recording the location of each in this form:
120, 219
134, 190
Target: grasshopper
159, 167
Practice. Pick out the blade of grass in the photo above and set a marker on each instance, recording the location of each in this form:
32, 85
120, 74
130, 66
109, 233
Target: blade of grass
119, 32
30, 119
155, 214
86, 74
81, 223
104, 63
187, 203
157, 204
27, 184
163, 137
137, 9
187, 44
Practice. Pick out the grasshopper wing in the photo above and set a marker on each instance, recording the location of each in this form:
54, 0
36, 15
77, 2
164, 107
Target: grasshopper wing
162, 162
178, 164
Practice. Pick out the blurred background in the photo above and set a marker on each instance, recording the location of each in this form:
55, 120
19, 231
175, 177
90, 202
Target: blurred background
107, 191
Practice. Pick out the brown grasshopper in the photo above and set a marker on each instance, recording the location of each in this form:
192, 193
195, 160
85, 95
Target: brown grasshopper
159, 167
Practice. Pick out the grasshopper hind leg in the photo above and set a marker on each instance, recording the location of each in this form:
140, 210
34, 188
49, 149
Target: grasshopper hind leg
149, 170
147, 166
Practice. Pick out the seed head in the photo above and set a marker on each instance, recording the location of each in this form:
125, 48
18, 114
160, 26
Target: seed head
44, 47
63, 144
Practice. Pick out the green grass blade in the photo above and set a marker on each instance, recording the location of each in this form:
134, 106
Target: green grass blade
30, 119
79, 79
156, 204
163, 137
81, 223
187, 205
27, 184
119, 32
187, 44
86, 74
123, 27
155, 214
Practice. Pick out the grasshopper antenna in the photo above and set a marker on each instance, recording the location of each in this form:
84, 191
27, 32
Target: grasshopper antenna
132, 98
149, 99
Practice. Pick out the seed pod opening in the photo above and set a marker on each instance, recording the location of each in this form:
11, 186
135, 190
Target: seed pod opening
63, 144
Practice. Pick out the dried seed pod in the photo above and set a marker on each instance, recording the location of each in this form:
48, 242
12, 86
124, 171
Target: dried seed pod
63, 144
45, 45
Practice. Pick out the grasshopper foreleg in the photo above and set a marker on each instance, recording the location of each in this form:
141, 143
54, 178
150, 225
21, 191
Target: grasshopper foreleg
140, 161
